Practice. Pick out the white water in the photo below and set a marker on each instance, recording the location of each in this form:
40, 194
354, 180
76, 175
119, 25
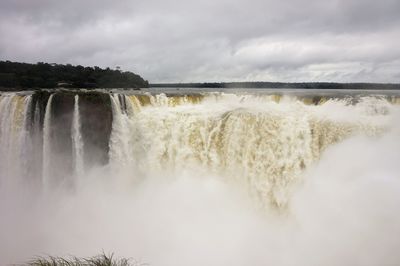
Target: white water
47, 144
327, 177
254, 140
14, 142
77, 142
120, 147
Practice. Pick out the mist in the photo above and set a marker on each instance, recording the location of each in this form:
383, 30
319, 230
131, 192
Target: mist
343, 217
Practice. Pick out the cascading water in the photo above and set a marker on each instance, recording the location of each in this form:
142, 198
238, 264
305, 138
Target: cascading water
200, 179
120, 146
14, 136
47, 143
255, 140
77, 140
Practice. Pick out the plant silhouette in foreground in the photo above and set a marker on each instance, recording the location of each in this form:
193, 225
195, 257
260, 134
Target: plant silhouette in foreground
100, 260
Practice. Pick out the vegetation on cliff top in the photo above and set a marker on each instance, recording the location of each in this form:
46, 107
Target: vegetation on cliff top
43, 75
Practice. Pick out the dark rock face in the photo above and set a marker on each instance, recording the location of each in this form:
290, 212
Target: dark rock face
38, 107
35, 128
60, 132
96, 124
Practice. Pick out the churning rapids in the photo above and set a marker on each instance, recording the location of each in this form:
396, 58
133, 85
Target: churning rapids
201, 179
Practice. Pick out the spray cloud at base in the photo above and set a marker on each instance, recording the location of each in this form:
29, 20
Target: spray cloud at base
214, 179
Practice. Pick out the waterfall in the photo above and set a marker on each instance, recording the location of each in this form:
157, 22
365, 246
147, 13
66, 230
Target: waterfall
256, 174
26, 144
120, 140
6, 138
14, 137
77, 142
263, 142
47, 144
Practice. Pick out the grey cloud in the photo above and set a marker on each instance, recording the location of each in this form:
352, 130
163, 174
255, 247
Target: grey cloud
176, 40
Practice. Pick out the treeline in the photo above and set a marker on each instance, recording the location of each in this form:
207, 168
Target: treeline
282, 85
43, 75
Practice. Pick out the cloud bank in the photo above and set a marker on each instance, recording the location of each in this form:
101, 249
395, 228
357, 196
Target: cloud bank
195, 41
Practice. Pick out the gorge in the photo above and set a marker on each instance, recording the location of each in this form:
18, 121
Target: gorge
148, 174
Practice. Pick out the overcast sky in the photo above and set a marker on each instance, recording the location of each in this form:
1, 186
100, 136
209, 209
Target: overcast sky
210, 40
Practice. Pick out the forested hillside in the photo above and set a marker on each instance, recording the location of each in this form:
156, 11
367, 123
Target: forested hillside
43, 75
